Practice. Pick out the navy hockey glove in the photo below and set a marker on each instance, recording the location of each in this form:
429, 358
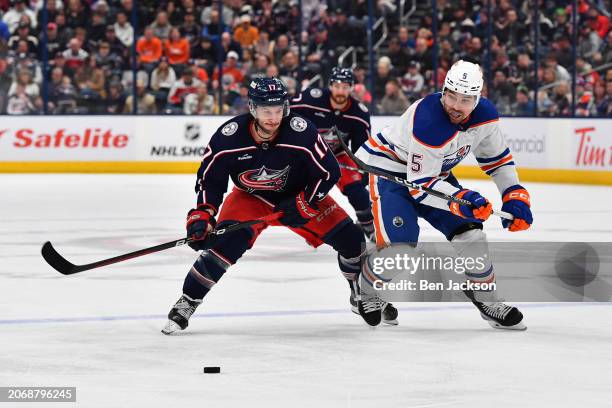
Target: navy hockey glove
296, 211
199, 222
481, 208
517, 202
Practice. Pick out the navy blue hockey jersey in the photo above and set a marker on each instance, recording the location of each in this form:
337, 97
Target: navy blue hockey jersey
297, 160
354, 120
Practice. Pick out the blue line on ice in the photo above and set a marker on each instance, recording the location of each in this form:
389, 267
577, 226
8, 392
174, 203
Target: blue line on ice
274, 313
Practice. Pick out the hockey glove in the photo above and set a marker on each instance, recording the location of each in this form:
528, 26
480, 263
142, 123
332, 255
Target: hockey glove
480, 209
517, 202
199, 223
296, 211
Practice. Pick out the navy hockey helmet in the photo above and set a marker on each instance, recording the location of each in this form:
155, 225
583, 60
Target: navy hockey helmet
268, 92
340, 74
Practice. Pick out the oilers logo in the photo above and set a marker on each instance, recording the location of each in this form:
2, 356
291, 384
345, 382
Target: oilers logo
264, 179
451, 160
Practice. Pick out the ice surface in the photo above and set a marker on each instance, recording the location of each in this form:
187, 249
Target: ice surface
278, 324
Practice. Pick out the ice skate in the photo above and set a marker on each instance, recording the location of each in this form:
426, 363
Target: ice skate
498, 314
389, 312
178, 317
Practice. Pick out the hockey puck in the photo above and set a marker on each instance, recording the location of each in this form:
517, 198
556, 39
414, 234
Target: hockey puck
212, 370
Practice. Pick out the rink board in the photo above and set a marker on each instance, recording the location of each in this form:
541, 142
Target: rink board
546, 150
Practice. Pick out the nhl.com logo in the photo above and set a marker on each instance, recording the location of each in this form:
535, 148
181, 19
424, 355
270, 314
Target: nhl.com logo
192, 131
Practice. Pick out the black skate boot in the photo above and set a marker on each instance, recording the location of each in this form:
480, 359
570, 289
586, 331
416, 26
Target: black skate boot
389, 315
498, 314
371, 309
178, 317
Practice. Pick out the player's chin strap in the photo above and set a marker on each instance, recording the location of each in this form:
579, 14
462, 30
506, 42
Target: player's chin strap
364, 168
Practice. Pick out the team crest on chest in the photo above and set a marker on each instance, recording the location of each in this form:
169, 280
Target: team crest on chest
316, 92
264, 179
451, 160
229, 129
298, 124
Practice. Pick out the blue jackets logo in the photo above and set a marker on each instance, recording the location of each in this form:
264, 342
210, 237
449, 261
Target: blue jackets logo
264, 179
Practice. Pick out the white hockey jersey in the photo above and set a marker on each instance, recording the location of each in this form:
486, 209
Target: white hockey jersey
423, 146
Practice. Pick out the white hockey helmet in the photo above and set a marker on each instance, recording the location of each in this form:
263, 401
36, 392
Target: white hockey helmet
465, 78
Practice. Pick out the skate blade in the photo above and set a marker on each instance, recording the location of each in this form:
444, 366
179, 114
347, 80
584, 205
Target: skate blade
393, 322
355, 309
171, 327
520, 326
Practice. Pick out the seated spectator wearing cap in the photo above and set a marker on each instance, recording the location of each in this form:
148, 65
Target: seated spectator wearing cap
96, 31
13, 16
177, 50
51, 11
245, 33
53, 41
523, 105
149, 49
230, 67
75, 55
116, 45
115, 100
123, 29
23, 34
412, 82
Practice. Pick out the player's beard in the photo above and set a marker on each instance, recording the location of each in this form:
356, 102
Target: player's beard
339, 99
455, 116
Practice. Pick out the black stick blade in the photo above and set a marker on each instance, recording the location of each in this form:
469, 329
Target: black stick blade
57, 262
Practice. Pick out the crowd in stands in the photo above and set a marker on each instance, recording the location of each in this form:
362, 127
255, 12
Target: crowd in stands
187, 54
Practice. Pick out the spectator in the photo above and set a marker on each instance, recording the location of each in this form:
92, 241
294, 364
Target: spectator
200, 103
502, 93
198, 72
562, 99
523, 105
604, 107
23, 95
146, 101
177, 50
361, 93
423, 55
510, 30
13, 16
228, 44
77, 15
399, 56
561, 73
341, 34
95, 32
258, 70
204, 54
90, 80
190, 29
262, 45
383, 75
213, 29
278, 48
289, 66
108, 62
246, 34
115, 100
161, 26
394, 102
210, 15
53, 41
598, 23
124, 30
66, 96
75, 55
163, 77
229, 67
149, 48
116, 46
23, 34
183, 87
412, 82
52, 11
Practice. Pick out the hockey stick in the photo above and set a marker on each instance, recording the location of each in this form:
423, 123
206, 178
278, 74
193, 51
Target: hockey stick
364, 168
63, 266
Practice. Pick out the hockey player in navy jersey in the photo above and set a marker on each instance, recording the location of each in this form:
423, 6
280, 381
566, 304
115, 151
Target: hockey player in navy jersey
279, 164
425, 144
337, 114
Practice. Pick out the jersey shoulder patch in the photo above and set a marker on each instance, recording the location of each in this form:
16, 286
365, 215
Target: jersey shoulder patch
484, 113
298, 124
229, 129
316, 93
431, 125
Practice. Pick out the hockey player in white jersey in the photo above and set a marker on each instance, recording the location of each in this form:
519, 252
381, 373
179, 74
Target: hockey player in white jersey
429, 139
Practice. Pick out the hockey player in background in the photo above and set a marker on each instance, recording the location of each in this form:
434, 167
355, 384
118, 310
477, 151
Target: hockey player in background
424, 145
335, 108
278, 164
